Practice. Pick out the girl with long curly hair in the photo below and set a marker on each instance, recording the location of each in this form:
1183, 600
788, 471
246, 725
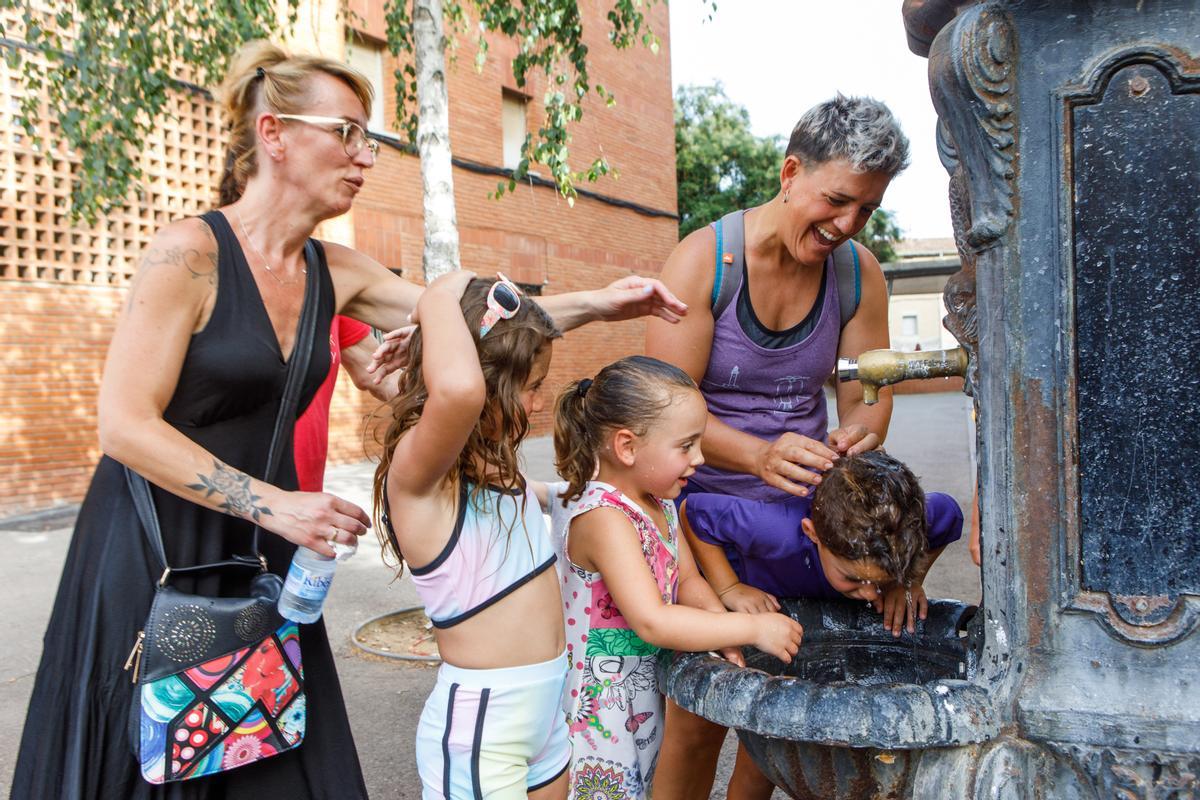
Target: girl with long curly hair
456, 509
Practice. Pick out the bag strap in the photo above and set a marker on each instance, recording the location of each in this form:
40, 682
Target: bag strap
285, 420
847, 272
731, 259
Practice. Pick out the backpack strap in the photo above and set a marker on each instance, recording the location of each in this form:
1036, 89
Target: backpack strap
730, 258
731, 261
847, 273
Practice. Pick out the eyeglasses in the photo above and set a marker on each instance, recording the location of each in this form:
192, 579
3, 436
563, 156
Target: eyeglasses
354, 138
503, 302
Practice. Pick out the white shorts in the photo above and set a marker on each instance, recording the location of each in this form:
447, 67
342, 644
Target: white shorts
493, 734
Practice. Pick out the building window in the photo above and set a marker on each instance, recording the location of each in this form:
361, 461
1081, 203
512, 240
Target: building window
908, 325
514, 126
367, 57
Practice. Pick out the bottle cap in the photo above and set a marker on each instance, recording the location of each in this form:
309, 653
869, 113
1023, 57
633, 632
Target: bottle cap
341, 552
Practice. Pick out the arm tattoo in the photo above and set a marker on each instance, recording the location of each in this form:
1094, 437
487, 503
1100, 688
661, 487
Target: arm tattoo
199, 264
234, 486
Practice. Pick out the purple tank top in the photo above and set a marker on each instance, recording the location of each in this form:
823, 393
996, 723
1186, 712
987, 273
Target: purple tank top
768, 392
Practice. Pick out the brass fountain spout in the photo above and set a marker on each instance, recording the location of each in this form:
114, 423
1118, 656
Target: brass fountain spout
876, 368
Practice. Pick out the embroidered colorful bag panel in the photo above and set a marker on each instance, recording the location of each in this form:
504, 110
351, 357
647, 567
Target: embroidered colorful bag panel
230, 711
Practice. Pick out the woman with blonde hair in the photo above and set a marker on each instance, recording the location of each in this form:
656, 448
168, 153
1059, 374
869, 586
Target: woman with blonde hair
192, 388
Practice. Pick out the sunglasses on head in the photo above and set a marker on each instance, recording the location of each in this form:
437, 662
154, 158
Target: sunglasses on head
503, 302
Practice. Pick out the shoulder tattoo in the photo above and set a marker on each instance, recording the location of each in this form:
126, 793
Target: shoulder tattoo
200, 263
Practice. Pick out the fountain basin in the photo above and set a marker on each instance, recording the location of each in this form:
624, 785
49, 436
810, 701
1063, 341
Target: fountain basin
851, 713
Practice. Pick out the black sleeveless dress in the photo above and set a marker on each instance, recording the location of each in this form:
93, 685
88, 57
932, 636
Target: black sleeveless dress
75, 743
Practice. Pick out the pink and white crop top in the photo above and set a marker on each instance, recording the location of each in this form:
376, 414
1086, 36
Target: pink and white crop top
496, 548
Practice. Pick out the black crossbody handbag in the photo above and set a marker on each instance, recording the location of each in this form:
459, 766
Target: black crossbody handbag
219, 680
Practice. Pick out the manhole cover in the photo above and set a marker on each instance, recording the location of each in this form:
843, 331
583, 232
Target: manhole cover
406, 634
41, 521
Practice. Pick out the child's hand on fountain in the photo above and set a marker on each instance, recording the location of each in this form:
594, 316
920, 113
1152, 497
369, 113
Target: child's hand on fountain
731, 654
778, 635
740, 597
903, 606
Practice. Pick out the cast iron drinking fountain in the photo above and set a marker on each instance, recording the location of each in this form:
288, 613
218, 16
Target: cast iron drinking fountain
1071, 132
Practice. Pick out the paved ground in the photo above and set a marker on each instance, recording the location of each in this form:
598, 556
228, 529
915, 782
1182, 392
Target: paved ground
930, 432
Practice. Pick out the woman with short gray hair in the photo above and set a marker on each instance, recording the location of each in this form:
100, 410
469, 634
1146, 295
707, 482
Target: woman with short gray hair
858, 130
777, 294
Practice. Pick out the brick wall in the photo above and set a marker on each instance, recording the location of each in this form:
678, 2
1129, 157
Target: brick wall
61, 287
53, 339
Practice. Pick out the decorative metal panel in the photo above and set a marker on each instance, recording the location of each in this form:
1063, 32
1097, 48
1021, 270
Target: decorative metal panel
1135, 151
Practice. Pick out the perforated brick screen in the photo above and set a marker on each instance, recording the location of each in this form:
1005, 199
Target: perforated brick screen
181, 161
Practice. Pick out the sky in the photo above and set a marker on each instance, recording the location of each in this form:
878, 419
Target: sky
777, 58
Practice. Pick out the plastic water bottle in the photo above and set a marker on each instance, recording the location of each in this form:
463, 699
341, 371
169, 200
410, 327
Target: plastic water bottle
307, 584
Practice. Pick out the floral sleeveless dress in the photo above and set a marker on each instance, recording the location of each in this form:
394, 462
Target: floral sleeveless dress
613, 706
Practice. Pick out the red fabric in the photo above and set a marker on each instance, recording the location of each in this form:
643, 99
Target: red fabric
311, 442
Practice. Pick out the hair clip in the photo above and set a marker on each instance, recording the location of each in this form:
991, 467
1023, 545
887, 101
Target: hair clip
582, 388
260, 72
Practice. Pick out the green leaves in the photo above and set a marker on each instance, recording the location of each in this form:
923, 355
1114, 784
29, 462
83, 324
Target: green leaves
549, 37
105, 70
720, 165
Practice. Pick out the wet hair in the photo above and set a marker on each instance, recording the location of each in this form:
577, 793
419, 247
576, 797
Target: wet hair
507, 356
861, 130
631, 393
263, 77
870, 507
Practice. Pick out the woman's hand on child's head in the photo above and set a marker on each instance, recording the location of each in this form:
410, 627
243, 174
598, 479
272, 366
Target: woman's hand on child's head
635, 296
741, 597
778, 635
793, 460
392, 354
853, 439
902, 607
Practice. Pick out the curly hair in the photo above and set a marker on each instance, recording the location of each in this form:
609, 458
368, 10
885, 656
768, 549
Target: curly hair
870, 506
507, 356
630, 393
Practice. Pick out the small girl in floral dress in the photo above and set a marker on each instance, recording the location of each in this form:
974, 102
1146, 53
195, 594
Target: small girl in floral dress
626, 443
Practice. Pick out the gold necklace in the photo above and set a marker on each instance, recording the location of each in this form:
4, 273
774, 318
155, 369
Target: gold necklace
266, 264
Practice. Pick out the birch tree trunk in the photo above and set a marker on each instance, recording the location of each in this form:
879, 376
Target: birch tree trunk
433, 140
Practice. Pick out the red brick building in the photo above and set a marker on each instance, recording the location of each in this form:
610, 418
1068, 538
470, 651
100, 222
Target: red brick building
62, 286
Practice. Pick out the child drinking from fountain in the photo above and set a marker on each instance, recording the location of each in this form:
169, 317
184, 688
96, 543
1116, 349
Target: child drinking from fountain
626, 443
454, 507
868, 532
